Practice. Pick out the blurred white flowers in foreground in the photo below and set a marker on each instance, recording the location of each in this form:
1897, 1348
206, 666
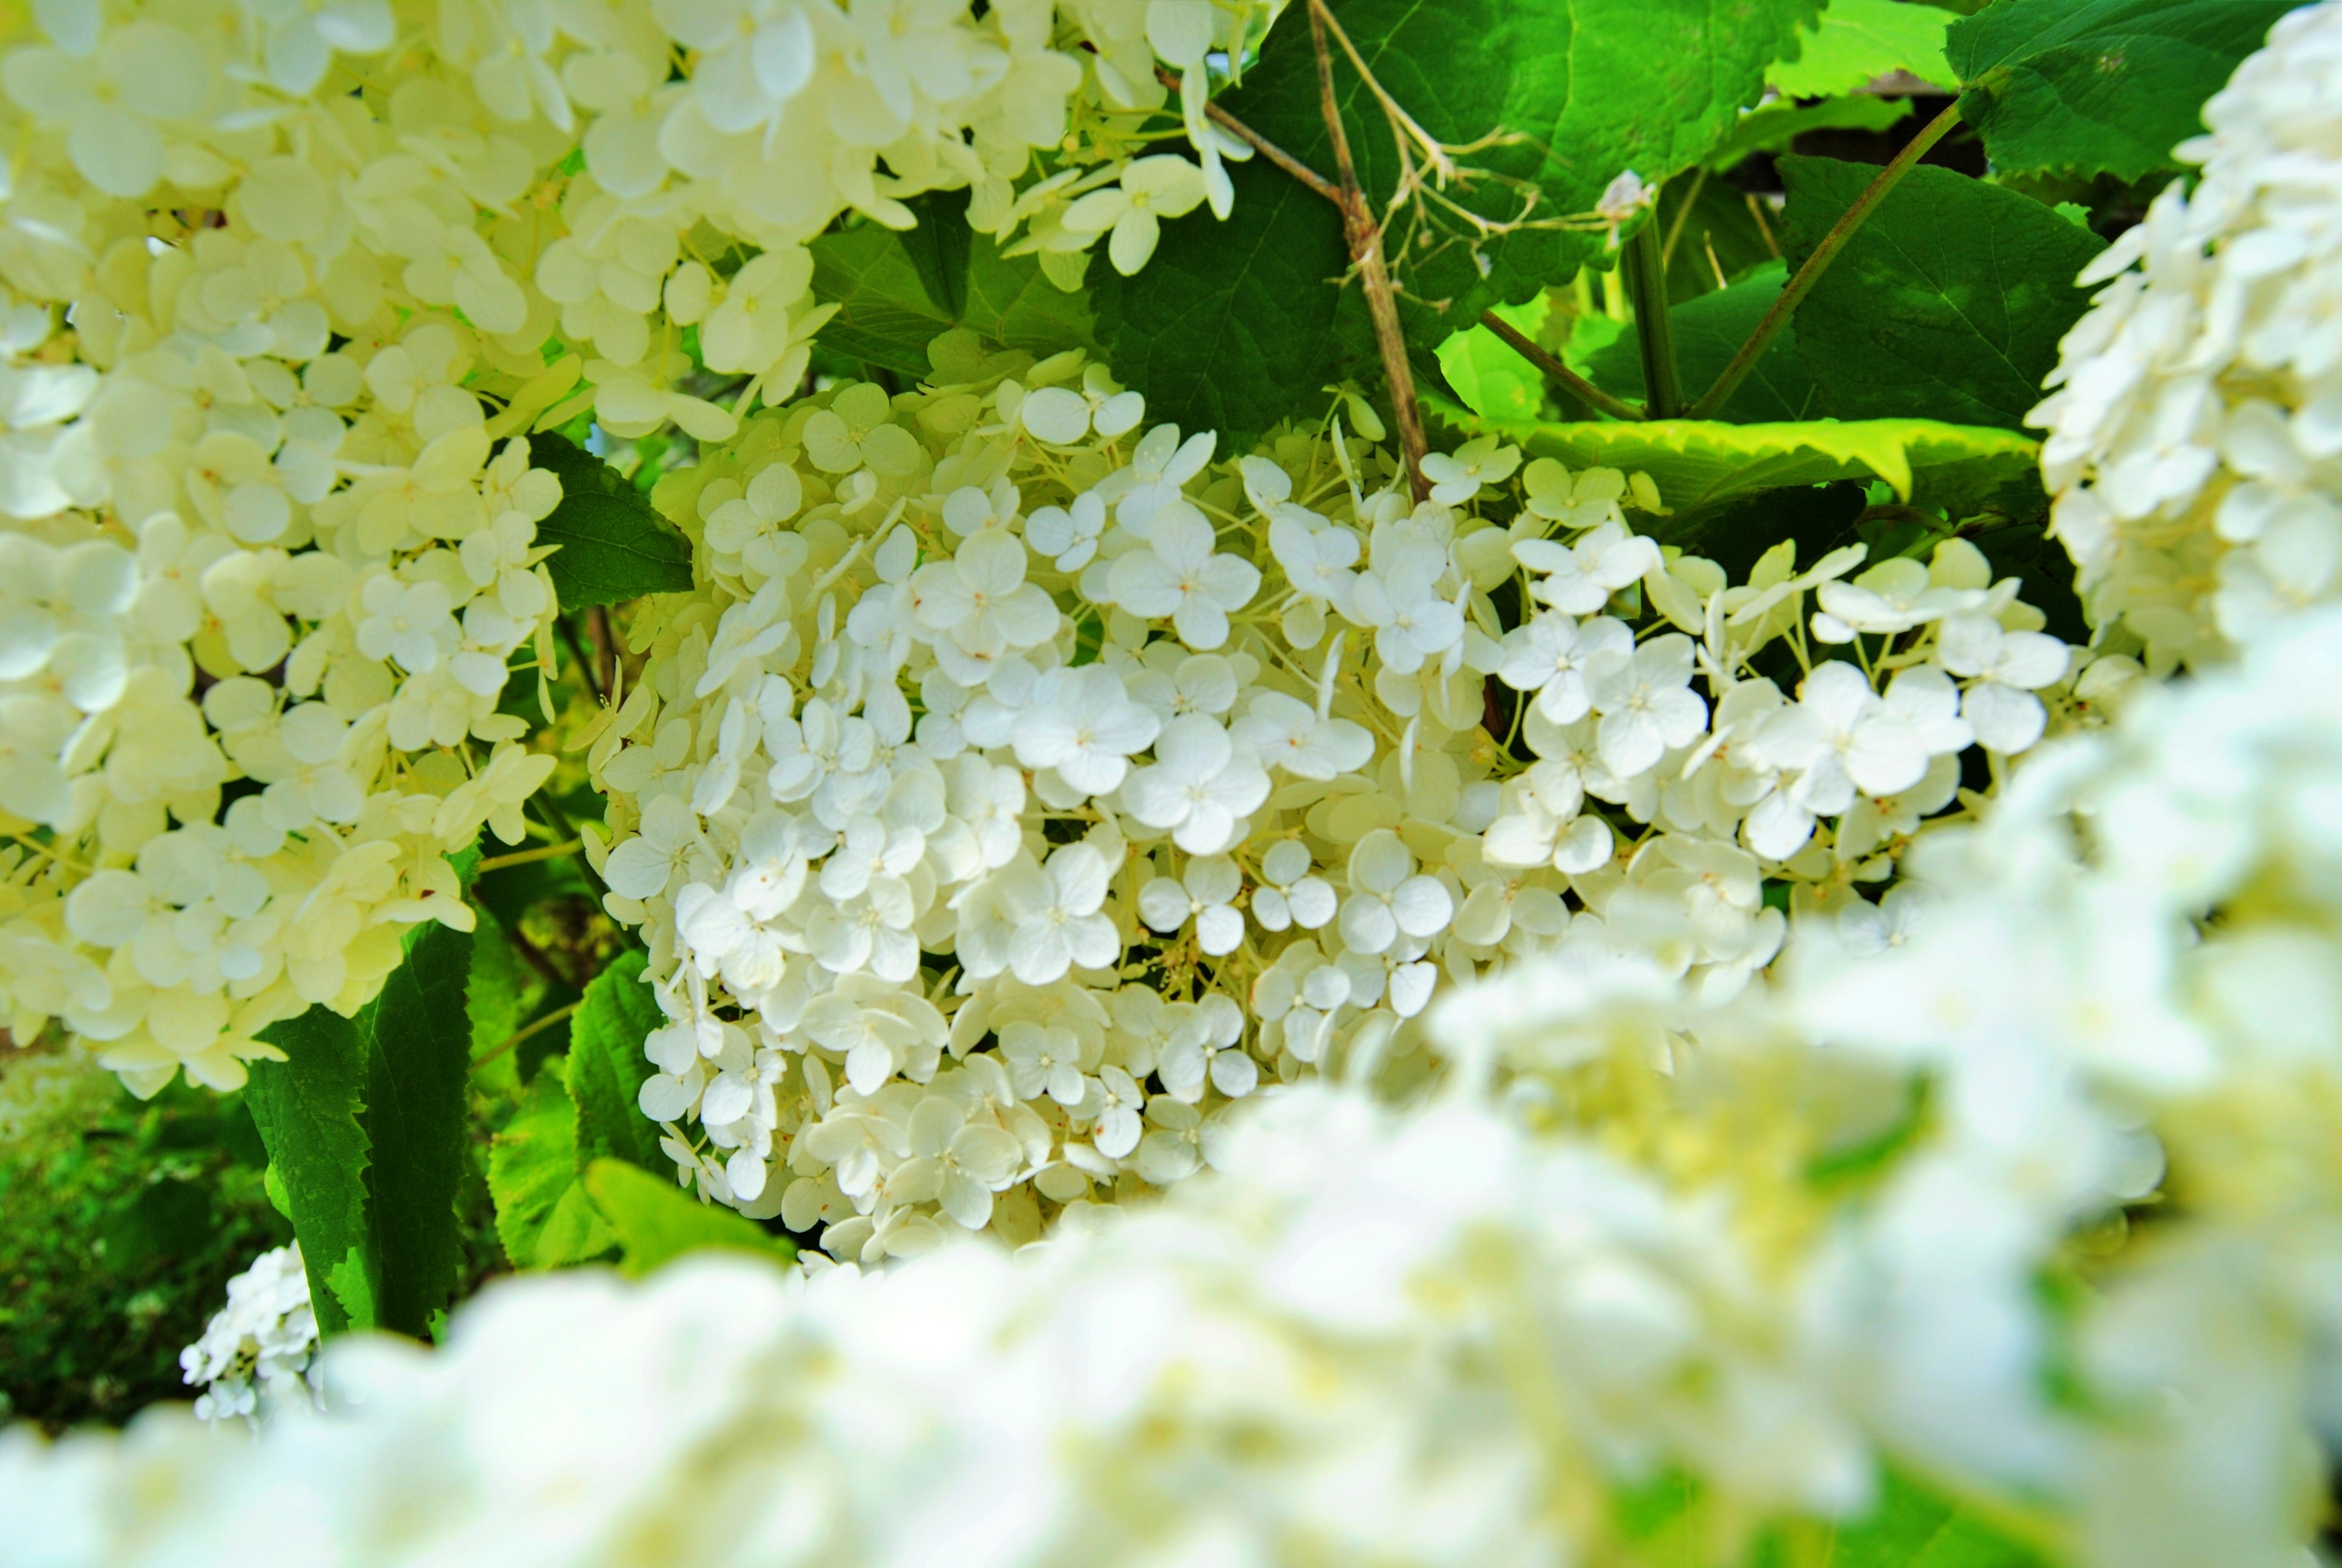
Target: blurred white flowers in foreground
1869, 1212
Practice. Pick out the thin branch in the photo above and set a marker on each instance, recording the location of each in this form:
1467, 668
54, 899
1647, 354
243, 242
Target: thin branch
1646, 273
586, 662
523, 857
1683, 214
1802, 284
538, 1027
1578, 386
1365, 239
1442, 165
1260, 144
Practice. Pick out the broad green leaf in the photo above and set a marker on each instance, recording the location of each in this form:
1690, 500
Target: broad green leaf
1709, 331
886, 316
1947, 303
502, 992
1913, 1527
2094, 86
614, 546
1230, 327
656, 1221
543, 1217
1488, 375
607, 1067
1772, 128
1698, 465
418, 1037
1232, 320
309, 1109
896, 292
1010, 303
1861, 40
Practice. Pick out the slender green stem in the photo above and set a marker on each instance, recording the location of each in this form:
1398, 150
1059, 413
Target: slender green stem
538, 1027
1690, 199
523, 857
1644, 269
1802, 284
1576, 385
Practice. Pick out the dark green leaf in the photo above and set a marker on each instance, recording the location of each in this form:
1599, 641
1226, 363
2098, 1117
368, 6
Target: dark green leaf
657, 1221
1709, 331
309, 1109
896, 292
168, 1219
418, 1037
607, 1067
543, 1217
614, 546
1230, 327
1947, 304
1232, 321
2087, 85
886, 316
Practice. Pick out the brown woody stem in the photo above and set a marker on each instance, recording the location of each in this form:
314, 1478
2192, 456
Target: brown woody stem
1802, 284
1365, 242
1576, 385
1260, 144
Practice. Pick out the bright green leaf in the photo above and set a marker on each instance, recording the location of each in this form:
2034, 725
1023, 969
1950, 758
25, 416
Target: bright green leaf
1861, 40
1487, 374
309, 1108
2098, 85
656, 1221
614, 546
419, 1036
543, 1217
607, 1067
1231, 317
1698, 465
1915, 1528
1709, 331
1947, 303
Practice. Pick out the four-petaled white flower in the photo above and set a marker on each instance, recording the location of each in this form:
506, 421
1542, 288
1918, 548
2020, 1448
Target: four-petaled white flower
1178, 577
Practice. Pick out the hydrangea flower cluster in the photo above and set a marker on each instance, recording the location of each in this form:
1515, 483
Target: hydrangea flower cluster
2195, 442
261, 1349
1767, 1244
282, 289
1027, 784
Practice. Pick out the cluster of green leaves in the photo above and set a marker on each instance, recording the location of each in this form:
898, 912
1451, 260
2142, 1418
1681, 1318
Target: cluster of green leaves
388, 1134
124, 1221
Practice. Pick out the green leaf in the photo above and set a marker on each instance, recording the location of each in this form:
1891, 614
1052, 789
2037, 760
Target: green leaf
1232, 320
2098, 85
607, 1067
418, 1037
1913, 1527
309, 1110
1485, 371
1709, 331
1947, 304
896, 292
656, 1221
1859, 41
1699, 465
612, 545
543, 1217
1772, 128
